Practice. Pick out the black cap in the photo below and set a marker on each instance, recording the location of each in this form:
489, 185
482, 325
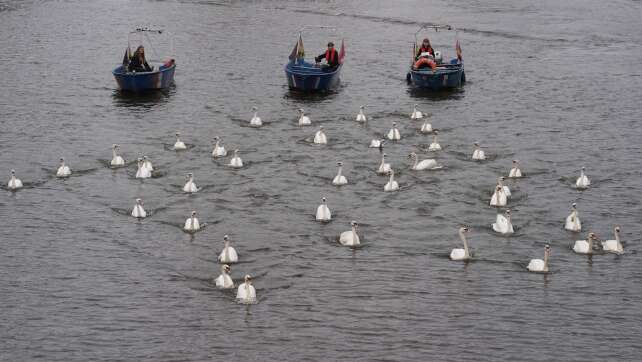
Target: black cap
330, 44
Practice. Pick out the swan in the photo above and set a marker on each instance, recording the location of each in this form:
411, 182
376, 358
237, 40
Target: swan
426, 127
303, 119
585, 246
434, 146
392, 185
224, 281
350, 237
63, 170
138, 211
14, 182
377, 144
394, 134
179, 145
573, 222
539, 265
458, 253
503, 224
361, 117
339, 179
319, 137
190, 186
515, 172
256, 120
148, 164
416, 114
614, 246
478, 153
429, 164
323, 212
142, 172
583, 181
500, 182
218, 151
228, 255
116, 160
499, 197
236, 161
246, 293
192, 224
384, 168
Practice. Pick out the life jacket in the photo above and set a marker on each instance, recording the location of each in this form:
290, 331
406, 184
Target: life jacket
330, 56
425, 61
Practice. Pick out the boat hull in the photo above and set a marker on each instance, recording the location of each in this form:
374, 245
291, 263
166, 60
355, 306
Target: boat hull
309, 78
448, 77
162, 78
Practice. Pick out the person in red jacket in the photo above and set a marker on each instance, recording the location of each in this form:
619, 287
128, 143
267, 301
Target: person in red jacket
425, 48
331, 56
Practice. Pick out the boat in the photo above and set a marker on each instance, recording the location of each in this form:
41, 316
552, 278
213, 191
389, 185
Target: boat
442, 73
162, 74
311, 77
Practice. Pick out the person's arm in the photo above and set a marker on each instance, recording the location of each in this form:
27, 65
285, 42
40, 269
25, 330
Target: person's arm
147, 67
318, 59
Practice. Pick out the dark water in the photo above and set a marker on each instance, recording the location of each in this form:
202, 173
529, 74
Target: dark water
555, 84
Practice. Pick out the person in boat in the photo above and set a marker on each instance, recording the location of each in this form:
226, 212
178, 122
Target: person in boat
426, 60
138, 62
425, 48
331, 56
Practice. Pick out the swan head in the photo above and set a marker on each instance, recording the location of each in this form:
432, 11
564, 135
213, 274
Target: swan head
115, 146
177, 133
236, 151
323, 200
547, 250
508, 212
362, 107
354, 224
339, 163
13, 172
254, 108
321, 128
62, 160
574, 206
583, 168
189, 175
216, 138
383, 156
139, 201
193, 213
248, 279
394, 124
515, 162
144, 158
463, 230
592, 236
502, 178
412, 154
301, 111
140, 160
225, 268
498, 188
416, 105
436, 132
617, 228
476, 144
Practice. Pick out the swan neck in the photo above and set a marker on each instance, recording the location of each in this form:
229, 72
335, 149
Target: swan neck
416, 160
463, 239
545, 260
340, 170
617, 237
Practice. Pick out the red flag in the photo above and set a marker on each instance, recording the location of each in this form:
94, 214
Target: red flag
458, 49
342, 52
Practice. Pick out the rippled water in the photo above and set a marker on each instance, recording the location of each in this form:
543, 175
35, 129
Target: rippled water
556, 85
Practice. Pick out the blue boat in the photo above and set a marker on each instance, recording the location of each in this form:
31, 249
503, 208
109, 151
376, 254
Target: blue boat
160, 77
310, 77
437, 74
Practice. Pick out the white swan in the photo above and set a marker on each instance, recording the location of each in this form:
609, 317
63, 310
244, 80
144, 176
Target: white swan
228, 255
148, 164
179, 145
303, 119
426, 127
319, 137
515, 172
478, 153
416, 114
499, 197
192, 224
14, 182
503, 224
350, 237
500, 182
116, 160
573, 222
384, 168
585, 246
224, 281
392, 185
428, 164
394, 134
138, 211
142, 172
377, 144
63, 170
458, 253
218, 151
323, 212
190, 185
339, 179
256, 120
434, 146
361, 117
583, 181
246, 293
614, 246
236, 161
539, 265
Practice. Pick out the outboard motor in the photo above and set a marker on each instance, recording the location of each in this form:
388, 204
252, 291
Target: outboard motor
438, 57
